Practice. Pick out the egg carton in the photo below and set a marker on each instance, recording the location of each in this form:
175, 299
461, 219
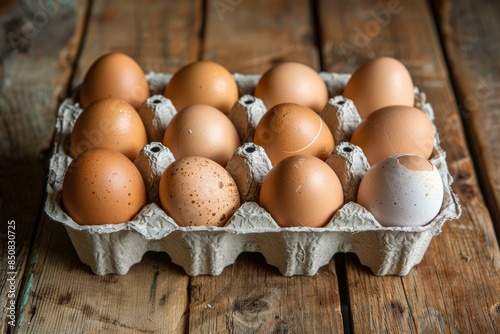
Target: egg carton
202, 250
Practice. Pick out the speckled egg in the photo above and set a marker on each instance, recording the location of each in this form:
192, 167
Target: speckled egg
102, 186
197, 191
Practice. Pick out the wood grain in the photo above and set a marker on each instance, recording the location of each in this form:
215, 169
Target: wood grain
161, 36
61, 295
64, 296
250, 296
36, 61
250, 36
470, 33
455, 288
34, 71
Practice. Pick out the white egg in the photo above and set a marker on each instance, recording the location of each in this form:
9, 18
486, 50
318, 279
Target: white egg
402, 190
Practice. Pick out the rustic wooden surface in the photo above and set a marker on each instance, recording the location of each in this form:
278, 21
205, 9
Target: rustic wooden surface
470, 33
451, 49
36, 59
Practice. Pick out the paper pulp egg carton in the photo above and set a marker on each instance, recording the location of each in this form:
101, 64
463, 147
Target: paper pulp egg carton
114, 248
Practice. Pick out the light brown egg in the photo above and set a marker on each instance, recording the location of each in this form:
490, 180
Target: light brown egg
109, 123
394, 130
301, 190
202, 82
204, 131
289, 129
292, 82
102, 187
379, 83
114, 75
197, 191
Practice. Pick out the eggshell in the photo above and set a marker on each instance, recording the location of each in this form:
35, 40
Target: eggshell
301, 190
197, 191
288, 129
102, 187
203, 82
109, 123
392, 130
114, 75
379, 83
292, 82
402, 190
204, 131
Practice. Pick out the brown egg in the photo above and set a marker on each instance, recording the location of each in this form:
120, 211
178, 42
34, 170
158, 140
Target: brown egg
381, 82
393, 130
290, 129
114, 75
197, 191
301, 190
203, 82
102, 187
109, 123
292, 82
204, 131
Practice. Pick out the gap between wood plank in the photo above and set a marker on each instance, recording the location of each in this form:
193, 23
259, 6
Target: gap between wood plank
203, 25
477, 161
85, 23
339, 258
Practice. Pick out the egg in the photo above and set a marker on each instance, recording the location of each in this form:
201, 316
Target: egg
202, 82
292, 82
204, 131
379, 83
114, 75
102, 186
196, 191
288, 129
301, 190
402, 190
392, 130
109, 123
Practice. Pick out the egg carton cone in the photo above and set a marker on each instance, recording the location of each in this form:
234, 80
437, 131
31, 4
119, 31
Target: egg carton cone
202, 250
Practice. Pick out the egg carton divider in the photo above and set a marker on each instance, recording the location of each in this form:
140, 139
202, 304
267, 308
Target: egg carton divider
114, 248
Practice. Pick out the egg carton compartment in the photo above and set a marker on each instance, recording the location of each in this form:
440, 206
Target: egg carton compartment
202, 250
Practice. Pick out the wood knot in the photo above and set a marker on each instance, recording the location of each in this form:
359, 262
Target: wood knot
252, 305
396, 307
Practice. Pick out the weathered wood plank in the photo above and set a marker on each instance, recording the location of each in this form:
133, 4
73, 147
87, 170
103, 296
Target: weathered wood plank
455, 288
250, 296
250, 36
61, 295
470, 33
38, 46
37, 54
160, 35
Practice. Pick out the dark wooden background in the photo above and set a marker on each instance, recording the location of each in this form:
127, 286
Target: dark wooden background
452, 50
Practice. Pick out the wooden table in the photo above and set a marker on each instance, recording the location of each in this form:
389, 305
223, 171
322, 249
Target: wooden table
452, 50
